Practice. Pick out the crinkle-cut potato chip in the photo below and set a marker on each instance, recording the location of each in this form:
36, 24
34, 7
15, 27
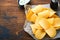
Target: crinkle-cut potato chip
44, 24
44, 14
33, 28
51, 20
47, 27
33, 18
51, 12
37, 26
57, 23
51, 32
39, 34
38, 9
29, 14
55, 16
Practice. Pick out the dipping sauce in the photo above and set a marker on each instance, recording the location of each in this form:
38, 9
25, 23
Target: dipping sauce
21, 3
24, 2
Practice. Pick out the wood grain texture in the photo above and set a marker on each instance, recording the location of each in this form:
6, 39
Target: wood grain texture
12, 19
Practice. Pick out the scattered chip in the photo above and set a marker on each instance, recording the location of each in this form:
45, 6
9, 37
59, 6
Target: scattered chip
33, 18
29, 14
38, 9
44, 24
57, 23
51, 20
47, 27
51, 32
33, 28
37, 26
40, 34
37, 20
44, 14
51, 12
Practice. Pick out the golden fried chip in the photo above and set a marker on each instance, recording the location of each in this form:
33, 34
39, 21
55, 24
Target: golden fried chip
47, 27
37, 26
40, 34
51, 32
38, 9
57, 23
37, 20
29, 14
33, 18
44, 14
51, 12
33, 28
51, 20
44, 24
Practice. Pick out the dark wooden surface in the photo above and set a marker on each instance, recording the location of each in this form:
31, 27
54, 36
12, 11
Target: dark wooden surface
12, 20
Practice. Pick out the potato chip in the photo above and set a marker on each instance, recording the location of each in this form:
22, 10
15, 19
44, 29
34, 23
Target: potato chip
44, 24
37, 20
36, 26
51, 12
51, 32
33, 18
51, 20
57, 23
29, 14
38, 9
33, 28
40, 34
44, 14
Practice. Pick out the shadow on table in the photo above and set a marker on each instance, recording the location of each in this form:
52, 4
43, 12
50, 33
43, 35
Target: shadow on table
5, 35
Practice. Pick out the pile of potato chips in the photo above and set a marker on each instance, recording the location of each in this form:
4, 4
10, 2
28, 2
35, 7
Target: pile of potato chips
44, 21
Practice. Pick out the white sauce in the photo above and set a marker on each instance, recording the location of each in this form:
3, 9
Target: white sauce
53, 0
23, 2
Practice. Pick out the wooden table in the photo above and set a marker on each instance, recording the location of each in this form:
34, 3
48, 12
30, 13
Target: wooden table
12, 19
